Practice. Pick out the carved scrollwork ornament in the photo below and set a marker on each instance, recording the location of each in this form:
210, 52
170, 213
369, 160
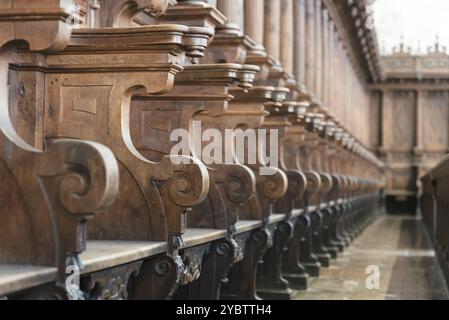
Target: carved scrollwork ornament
285, 227
241, 243
230, 246
192, 269
224, 248
275, 185
238, 250
263, 237
110, 284
187, 182
157, 7
170, 264
193, 261
297, 183
236, 190
164, 266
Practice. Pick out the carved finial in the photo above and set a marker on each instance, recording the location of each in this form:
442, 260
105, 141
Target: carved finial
401, 44
437, 47
437, 43
418, 48
402, 48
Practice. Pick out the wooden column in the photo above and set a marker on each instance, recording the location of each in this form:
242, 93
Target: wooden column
348, 94
338, 77
318, 51
233, 10
420, 121
387, 119
286, 35
347, 89
300, 42
331, 44
272, 28
310, 46
254, 20
326, 63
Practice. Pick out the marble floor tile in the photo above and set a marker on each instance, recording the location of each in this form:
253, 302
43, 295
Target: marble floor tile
399, 246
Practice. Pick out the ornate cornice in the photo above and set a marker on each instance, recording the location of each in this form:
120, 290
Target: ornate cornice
350, 18
403, 65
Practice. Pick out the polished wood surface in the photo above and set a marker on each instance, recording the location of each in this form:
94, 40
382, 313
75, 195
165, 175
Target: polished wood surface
90, 93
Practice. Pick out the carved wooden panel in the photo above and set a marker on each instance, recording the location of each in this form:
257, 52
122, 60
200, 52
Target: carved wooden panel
83, 104
404, 115
404, 179
25, 105
435, 127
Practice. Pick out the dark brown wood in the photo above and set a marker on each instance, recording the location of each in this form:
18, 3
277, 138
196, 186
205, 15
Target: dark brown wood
243, 275
126, 74
214, 270
110, 284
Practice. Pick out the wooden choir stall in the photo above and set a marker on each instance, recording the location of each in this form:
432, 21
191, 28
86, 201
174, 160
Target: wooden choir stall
94, 203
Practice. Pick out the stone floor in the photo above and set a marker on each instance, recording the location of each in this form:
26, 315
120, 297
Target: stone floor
399, 248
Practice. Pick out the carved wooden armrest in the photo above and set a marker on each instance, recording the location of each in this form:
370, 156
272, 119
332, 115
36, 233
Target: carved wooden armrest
194, 13
278, 77
43, 29
176, 39
124, 13
229, 48
222, 74
260, 58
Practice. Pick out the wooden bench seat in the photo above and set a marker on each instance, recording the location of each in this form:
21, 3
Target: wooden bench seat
16, 277
101, 255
